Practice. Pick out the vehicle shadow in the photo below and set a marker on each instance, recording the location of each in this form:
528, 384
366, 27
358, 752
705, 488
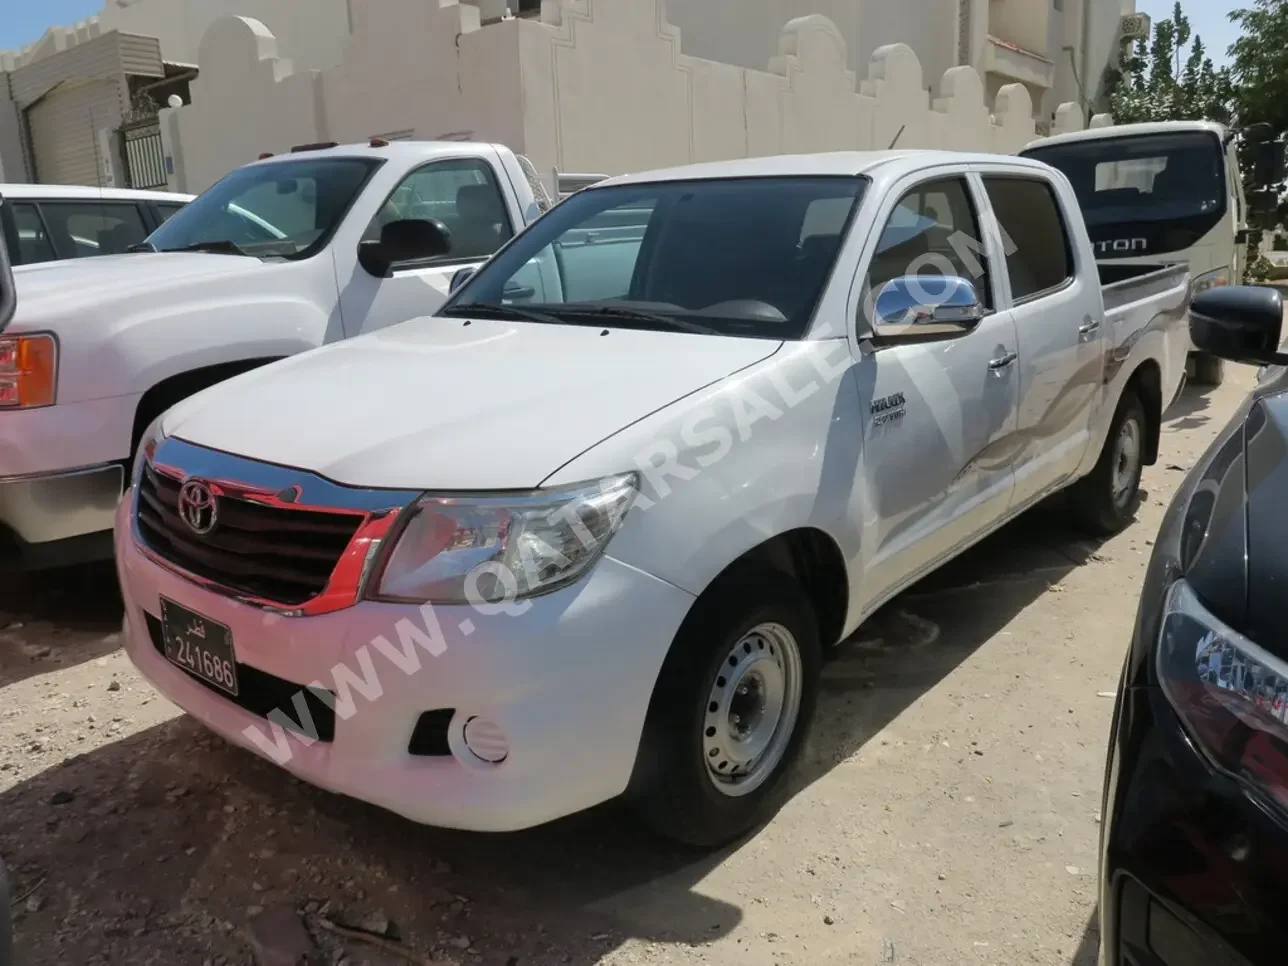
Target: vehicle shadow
57, 619
1088, 951
172, 820
1189, 411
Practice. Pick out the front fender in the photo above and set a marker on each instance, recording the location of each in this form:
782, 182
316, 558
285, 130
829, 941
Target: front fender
772, 449
142, 351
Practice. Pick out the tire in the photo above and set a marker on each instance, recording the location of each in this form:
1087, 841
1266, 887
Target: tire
720, 670
1208, 370
6, 920
1104, 501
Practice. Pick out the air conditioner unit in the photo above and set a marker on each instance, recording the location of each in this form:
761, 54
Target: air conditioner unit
1135, 26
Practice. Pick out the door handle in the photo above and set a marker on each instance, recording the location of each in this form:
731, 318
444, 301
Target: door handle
1088, 327
1001, 362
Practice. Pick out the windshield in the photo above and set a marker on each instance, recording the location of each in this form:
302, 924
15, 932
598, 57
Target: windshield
744, 256
1145, 179
287, 209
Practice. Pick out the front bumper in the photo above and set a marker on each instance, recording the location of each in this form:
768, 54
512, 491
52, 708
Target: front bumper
1193, 871
49, 508
568, 682
62, 472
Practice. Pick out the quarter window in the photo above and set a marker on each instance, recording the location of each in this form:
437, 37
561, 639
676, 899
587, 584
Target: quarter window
463, 195
934, 230
165, 209
1038, 254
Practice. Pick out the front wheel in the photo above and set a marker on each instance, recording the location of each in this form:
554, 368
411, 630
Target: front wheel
730, 711
1104, 500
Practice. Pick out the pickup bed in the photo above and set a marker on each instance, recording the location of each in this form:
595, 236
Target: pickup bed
280, 256
642, 470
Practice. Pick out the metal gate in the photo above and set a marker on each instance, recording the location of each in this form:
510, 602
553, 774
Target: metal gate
144, 154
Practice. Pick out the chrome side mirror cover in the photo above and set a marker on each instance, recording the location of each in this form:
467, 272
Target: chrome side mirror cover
926, 306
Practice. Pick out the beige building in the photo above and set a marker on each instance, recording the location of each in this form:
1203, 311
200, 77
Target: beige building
80, 104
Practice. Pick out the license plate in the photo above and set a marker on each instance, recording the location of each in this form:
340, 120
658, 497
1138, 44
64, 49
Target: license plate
199, 646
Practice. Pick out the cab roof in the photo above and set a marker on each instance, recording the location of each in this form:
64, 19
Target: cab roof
407, 150
830, 163
1130, 130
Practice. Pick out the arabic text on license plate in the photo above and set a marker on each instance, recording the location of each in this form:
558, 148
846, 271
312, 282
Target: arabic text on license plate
199, 646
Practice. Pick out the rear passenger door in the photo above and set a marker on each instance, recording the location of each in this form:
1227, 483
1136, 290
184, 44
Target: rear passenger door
1061, 362
465, 195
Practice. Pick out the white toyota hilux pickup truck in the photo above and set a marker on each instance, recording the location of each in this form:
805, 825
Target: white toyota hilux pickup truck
279, 256
591, 530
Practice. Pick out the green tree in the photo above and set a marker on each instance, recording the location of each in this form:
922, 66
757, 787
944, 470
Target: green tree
1171, 78
1260, 64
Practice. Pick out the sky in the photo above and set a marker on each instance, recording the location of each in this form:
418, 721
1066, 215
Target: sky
1208, 18
24, 22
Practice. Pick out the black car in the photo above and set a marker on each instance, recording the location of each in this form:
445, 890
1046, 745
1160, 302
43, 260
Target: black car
1194, 841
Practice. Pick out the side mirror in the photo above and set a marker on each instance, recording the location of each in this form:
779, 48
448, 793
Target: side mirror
460, 278
404, 240
917, 307
1241, 323
8, 292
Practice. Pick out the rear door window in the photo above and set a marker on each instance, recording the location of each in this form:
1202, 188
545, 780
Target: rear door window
1039, 255
83, 229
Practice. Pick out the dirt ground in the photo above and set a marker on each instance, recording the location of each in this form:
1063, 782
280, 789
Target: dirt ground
946, 813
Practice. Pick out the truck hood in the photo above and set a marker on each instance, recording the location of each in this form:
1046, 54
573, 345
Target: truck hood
447, 404
55, 291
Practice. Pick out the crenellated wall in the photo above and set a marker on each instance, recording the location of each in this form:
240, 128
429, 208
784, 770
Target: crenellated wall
591, 86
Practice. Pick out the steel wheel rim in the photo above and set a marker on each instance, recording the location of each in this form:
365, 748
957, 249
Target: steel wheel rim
1126, 461
751, 710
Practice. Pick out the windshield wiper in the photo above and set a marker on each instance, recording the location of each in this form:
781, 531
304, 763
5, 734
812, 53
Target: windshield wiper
222, 246
622, 313
143, 246
488, 310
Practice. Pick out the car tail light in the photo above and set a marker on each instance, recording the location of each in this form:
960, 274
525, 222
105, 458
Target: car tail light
28, 371
1231, 694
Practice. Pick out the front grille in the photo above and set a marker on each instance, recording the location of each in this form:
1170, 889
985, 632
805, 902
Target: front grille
280, 554
261, 693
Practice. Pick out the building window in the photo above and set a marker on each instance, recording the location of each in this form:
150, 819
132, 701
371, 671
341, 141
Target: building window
963, 31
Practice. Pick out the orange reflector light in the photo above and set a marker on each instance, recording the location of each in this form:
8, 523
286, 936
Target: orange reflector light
28, 371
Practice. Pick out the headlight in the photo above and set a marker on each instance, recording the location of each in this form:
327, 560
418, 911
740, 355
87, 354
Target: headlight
1209, 280
28, 371
1231, 694
478, 550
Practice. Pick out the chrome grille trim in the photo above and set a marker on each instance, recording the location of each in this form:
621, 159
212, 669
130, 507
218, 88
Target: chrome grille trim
256, 554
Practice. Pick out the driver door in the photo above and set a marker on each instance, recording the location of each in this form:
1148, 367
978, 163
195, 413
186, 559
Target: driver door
939, 410
461, 193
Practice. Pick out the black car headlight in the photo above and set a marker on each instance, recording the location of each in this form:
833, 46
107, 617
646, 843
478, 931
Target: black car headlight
1230, 693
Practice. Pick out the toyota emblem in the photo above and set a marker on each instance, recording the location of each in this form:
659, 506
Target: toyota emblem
197, 507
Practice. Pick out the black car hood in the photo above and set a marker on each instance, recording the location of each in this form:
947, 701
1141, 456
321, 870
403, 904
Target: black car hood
1266, 444
1232, 543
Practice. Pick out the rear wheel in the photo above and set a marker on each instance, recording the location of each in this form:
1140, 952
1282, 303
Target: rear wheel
1208, 370
730, 711
1103, 501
